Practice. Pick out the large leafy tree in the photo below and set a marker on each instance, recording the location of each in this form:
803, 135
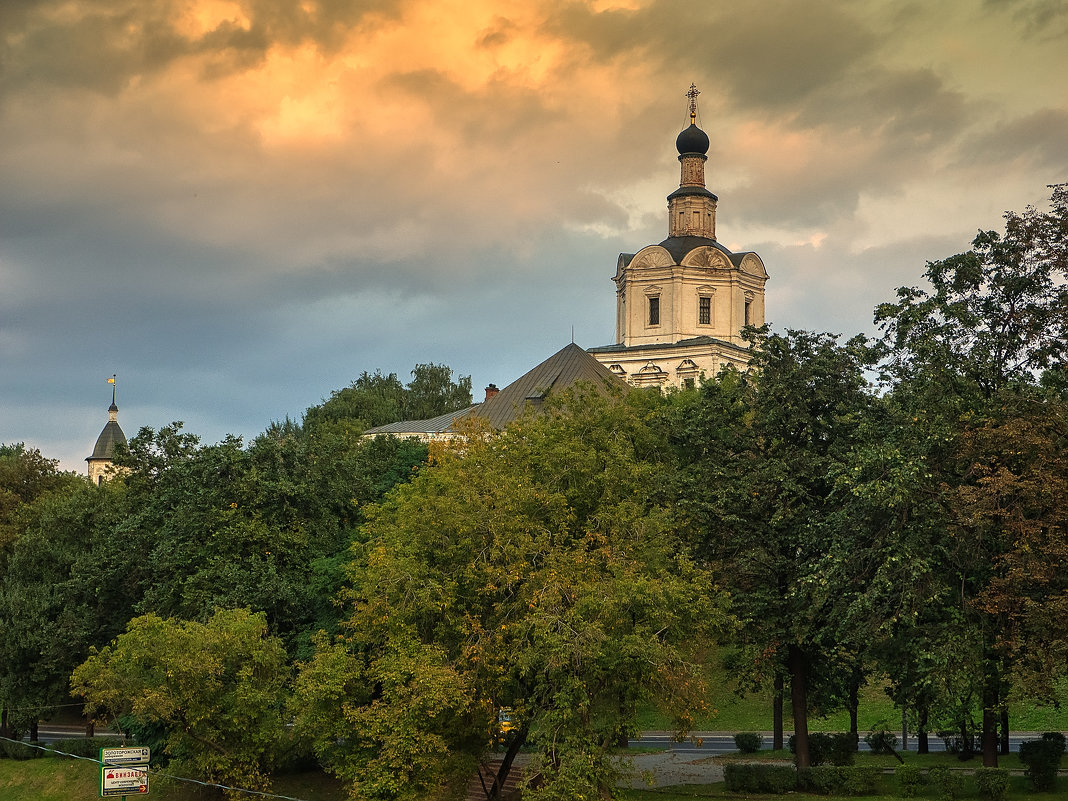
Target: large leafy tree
993, 316
967, 354
28, 480
263, 526
25, 474
48, 616
217, 689
374, 399
539, 569
760, 454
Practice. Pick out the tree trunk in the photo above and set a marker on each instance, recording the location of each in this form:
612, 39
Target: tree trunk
494, 792
854, 707
990, 737
921, 732
1004, 728
991, 701
4, 730
90, 728
799, 705
904, 730
776, 714
33, 732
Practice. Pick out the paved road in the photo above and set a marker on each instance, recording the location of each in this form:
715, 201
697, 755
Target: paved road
712, 743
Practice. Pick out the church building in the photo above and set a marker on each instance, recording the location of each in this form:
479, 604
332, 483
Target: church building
681, 305
104, 450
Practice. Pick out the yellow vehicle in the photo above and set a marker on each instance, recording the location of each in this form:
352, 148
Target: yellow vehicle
507, 723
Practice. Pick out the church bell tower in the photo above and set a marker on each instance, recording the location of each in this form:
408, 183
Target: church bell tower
681, 305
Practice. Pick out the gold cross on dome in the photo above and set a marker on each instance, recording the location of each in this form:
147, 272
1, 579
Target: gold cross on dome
692, 94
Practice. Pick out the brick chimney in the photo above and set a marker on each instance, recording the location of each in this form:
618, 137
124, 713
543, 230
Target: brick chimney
491, 391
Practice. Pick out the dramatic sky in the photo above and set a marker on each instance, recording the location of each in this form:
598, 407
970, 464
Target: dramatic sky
240, 205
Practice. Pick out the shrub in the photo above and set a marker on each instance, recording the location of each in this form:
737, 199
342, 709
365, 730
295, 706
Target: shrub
993, 783
833, 779
14, 750
949, 784
964, 747
881, 741
838, 749
1056, 738
822, 779
741, 777
86, 746
911, 779
859, 780
748, 742
1043, 759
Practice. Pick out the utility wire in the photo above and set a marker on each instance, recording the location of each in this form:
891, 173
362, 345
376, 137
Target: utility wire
155, 772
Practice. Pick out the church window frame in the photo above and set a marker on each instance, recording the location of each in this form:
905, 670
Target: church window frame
654, 311
704, 310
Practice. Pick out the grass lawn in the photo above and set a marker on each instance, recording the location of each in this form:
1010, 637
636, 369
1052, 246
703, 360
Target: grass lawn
54, 779
1018, 789
732, 713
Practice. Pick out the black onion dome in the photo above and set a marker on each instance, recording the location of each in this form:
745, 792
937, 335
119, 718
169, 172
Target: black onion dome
692, 140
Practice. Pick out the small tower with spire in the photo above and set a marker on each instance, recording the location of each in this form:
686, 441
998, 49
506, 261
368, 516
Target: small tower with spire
681, 305
104, 450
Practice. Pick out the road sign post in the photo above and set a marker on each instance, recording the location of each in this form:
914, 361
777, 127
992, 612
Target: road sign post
124, 771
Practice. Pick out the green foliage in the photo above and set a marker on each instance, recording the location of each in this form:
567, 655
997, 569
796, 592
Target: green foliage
19, 751
24, 476
748, 742
376, 399
745, 777
836, 748
997, 314
993, 783
86, 746
911, 779
881, 741
1056, 740
948, 784
217, 687
538, 569
46, 580
759, 454
1043, 759
828, 779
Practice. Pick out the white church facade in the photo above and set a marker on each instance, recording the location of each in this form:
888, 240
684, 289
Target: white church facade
681, 305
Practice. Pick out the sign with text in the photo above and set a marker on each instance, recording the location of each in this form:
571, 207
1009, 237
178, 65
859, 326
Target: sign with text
123, 781
125, 756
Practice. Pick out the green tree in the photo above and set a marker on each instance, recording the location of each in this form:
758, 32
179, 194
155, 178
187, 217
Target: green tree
538, 569
966, 354
996, 315
51, 610
376, 399
432, 392
218, 688
24, 475
759, 456
25, 478
264, 526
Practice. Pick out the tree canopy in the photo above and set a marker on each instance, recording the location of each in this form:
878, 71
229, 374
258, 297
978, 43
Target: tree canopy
538, 570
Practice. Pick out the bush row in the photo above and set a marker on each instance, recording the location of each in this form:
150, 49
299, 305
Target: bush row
823, 747
780, 779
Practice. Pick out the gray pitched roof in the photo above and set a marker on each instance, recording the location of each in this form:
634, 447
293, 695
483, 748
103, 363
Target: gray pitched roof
560, 371
105, 443
435, 425
557, 373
